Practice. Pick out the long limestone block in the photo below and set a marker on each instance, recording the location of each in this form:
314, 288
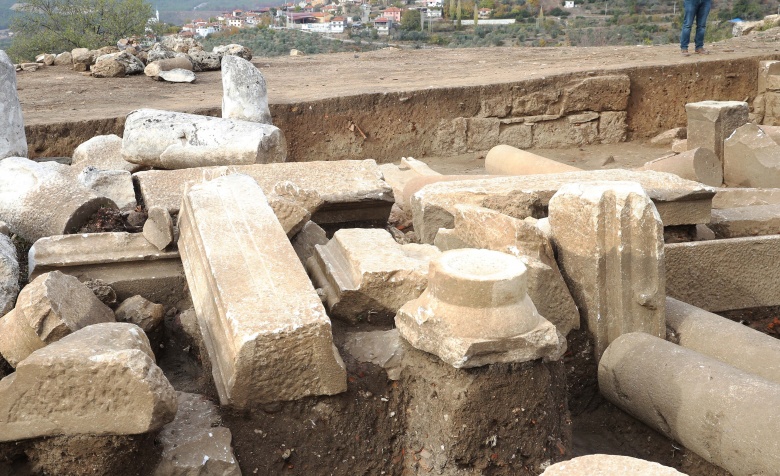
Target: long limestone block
678, 201
507, 160
44, 199
127, 262
727, 416
724, 340
352, 190
52, 306
700, 165
266, 331
751, 159
711, 122
607, 465
13, 141
478, 227
367, 276
175, 140
9, 274
244, 93
746, 221
476, 311
101, 380
610, 246
723, 275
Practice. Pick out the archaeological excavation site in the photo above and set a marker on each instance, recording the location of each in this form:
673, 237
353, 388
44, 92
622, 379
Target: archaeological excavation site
285, 268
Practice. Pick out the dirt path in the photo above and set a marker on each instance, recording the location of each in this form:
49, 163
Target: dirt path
58, 94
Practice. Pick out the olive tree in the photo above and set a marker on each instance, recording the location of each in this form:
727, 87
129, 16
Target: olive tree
53, 26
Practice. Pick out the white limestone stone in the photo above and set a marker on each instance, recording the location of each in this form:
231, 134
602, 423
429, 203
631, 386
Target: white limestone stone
255, 305
13, 141
610, 246
751, 159
711, 122
104, 153
115, 185
367, 276
475, 311
175, 140
244, 93
101, 380
609, 465
176, 75
158, 228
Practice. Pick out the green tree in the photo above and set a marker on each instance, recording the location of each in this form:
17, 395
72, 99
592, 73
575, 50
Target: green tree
410, 20
53, 26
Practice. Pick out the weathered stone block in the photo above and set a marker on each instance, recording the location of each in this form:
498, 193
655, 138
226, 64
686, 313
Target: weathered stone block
244, 93
613, 127
101, 380
712, 122
255, 305
610, 245
600, 93
516, 135
13, 141
115, 185
746, 221
561, 133
751, 159
768, 72
9, 274
367, 276
141, 312
175, 140
482, 133
476, 311
52, 306
723, 275
104, 153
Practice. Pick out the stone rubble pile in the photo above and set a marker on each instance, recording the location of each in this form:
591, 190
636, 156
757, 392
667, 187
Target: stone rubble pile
249, 258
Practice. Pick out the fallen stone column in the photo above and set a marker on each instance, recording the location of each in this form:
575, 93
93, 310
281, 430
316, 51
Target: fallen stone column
751, 159
44, 199
476, 311
700, 165
175, 140
728, 417
397, 176
52, 306
101, 380
711, 122
367, 276
266, 331
244, 93
13, 141
508, 160
127, 262
353, 191
726, 341
414, 185
726, 274
610, 246
678, 201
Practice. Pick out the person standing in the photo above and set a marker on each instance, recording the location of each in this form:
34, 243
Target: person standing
695, 10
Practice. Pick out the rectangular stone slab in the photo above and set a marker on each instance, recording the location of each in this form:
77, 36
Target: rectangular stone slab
125, 261
266, 330
679, 201
727, 274
353, 190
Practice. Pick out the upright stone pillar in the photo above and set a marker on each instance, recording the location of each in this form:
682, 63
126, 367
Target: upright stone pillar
266, 331
610, 250
712, 122
244, 93
13, 142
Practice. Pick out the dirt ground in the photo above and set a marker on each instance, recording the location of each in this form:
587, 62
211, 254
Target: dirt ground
58, 94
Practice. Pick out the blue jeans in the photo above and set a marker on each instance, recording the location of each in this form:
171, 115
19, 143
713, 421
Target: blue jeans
698, 10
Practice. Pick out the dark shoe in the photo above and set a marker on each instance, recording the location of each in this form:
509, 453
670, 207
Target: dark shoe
702, 51
685, 52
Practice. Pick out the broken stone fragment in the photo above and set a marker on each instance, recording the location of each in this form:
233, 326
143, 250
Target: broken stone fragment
13, 141
508, 160
141, 312
712, 122
382, 348
610, 246
102, 291
700, 165
305, 240
592, 465
667, 137
195, 443
154, 68
176, 75
175, 140
476, 311
367, 276
52, 306
44, 199
244, 93
158, 228
751, 159
9, 275
116, 185
233, 50
255, 305
104, 153
204, 61
293, 206
100, 380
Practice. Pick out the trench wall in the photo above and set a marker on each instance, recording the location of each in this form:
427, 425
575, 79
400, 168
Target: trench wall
556, 111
